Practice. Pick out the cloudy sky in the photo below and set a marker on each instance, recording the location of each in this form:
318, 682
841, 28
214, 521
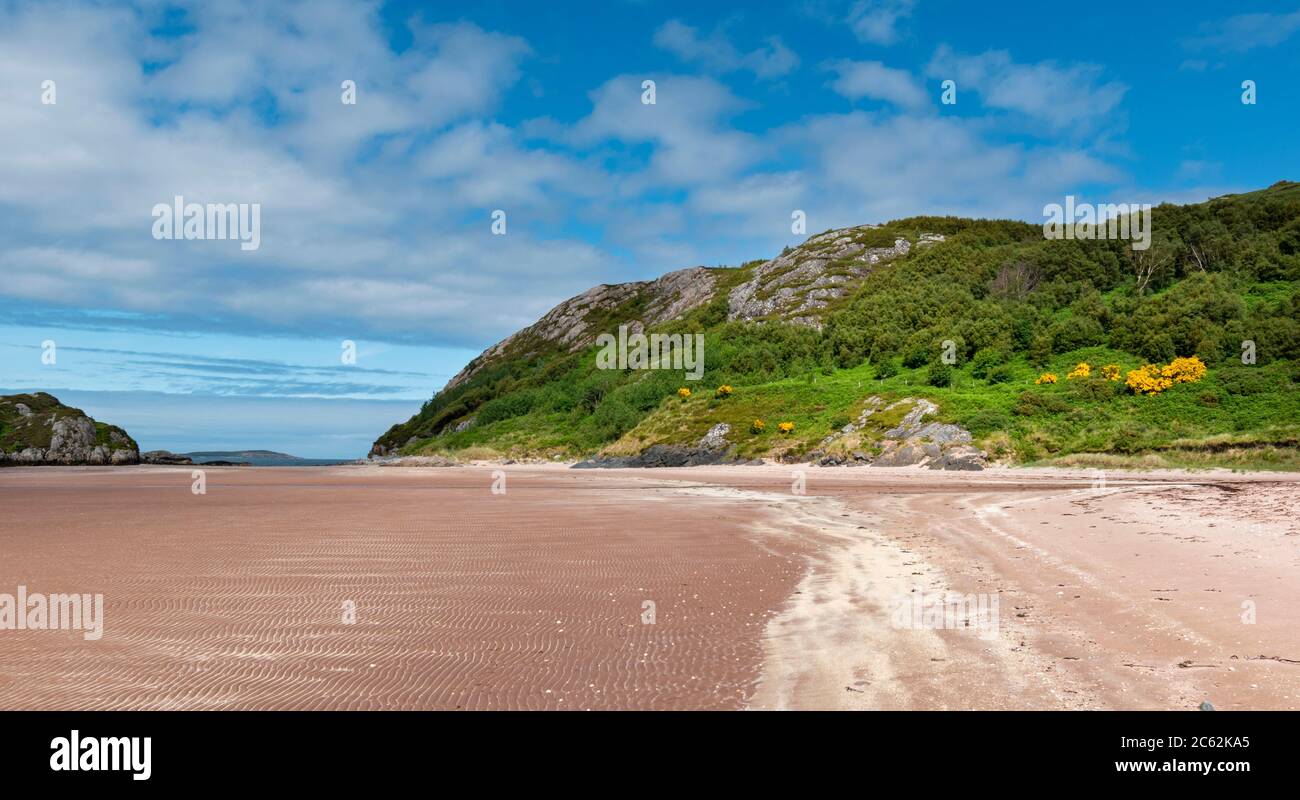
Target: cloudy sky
376, 216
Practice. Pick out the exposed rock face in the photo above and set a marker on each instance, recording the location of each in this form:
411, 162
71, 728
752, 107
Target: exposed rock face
804, 280
663, 455
38, 429
463, 425
716, 438
911, 442
164, 457
572, 323
793, 286
417, 461
712, 448
936, 445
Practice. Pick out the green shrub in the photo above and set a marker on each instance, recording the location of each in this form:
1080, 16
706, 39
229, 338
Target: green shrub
1001, 374
987, 420
1247, 380
985, 360
1033, 404
505, 407
939, 374
1096, 388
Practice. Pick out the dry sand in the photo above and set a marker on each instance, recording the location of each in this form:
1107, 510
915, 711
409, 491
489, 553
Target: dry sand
1128, 596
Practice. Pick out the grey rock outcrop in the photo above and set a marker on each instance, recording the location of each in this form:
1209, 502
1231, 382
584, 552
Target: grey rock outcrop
914, 442
712, 448
663, 455
463, 425
38, 429
808, 278
571, 323
164, 457
716, 438
416, 461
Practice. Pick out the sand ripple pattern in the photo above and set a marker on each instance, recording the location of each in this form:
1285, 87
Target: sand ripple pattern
464, 599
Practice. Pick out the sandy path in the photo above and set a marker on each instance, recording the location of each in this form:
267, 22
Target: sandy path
1156, 591
1129, 596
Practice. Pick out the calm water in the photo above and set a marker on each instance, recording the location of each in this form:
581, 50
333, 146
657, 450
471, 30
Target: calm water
270, 461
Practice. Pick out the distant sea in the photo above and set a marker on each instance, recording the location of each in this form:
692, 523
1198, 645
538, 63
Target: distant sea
266, 459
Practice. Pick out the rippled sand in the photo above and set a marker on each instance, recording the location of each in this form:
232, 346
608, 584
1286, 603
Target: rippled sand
1125, 597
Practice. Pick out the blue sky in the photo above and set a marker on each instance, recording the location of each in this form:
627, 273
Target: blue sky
375, 217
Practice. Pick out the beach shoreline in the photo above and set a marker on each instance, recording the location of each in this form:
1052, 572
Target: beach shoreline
772, 586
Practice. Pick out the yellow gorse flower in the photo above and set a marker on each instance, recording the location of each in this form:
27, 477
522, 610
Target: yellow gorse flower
1081, 370
757, 426
1147, 380
1154, 379
1046, 377
724, 390
785, 427
1184, 370
1110, 372
683, 393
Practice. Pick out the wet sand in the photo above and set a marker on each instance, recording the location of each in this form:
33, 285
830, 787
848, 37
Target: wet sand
1127, 596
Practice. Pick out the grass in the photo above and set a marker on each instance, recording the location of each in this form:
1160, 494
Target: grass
19, 432
1211, 423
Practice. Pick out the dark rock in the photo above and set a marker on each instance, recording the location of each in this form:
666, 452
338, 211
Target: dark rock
164, 457
897, 454
662, 455
962, 457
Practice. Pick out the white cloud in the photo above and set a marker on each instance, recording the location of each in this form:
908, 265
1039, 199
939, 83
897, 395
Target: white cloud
380, 246
1058, 95
687, 123
374, 216
1247, 31
718, 54
858, 79
876, 21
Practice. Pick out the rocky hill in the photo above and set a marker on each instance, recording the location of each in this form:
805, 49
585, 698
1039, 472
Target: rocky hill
575, 323
800, 284
38, 429
1010, 345
793, 287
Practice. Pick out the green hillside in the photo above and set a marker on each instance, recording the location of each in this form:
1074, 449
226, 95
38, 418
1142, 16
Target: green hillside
38, 429
1011, 305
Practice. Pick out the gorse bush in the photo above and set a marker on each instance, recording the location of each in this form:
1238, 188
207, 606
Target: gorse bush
1153, 379
1147, 379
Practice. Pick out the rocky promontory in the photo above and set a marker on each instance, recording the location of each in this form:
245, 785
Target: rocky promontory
38, 429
